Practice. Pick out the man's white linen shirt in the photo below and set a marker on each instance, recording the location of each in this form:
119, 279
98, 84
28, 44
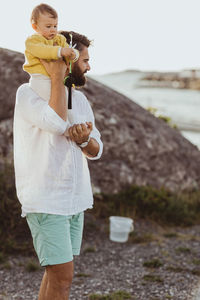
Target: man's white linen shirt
51, 171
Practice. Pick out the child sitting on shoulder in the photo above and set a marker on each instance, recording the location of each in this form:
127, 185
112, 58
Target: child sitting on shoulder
46, 43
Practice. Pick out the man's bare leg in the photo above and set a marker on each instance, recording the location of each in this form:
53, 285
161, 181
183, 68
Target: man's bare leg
56, 282
43, 287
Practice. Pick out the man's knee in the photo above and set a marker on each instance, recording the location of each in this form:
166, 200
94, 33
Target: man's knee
60, 276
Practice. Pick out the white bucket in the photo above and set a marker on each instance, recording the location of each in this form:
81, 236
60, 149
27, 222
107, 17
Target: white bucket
120, 228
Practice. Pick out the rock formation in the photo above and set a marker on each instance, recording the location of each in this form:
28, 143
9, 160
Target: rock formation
138, 148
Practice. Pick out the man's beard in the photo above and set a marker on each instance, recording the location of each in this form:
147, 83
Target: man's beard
78, 76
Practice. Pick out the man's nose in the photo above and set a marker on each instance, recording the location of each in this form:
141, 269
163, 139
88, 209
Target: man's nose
88, 67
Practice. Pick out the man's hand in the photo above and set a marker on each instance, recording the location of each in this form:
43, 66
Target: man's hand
79, 133
55, 68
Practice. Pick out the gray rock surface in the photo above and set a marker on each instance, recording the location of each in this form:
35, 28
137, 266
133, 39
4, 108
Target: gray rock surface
138, 148
12, 76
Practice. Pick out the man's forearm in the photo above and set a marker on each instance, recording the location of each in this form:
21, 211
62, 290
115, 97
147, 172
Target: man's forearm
58, 97
92, 149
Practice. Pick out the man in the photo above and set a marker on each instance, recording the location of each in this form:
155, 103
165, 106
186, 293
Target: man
52, 176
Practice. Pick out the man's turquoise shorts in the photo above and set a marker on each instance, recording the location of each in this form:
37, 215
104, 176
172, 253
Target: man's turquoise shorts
56, 238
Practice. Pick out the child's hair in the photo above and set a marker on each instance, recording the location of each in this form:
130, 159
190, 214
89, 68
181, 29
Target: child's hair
42, 9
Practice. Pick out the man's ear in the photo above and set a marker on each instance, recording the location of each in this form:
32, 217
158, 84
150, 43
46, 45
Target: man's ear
34, 26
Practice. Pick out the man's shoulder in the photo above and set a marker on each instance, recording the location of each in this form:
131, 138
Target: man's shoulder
81, 101
80, 95
22, 88
23, 91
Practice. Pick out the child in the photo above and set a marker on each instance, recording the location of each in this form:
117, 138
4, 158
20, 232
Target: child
46, 43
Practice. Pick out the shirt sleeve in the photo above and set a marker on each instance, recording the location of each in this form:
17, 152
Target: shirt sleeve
95, 134
61, 40
35, 44
36, 111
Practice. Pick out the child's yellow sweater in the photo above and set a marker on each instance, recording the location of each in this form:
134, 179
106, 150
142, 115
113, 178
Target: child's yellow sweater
37, 47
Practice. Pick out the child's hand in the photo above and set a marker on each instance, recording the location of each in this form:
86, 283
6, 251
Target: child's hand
69, 53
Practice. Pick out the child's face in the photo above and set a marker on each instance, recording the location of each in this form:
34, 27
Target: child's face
46, 26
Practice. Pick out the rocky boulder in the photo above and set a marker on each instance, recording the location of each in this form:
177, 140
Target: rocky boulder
12, 76
138, 148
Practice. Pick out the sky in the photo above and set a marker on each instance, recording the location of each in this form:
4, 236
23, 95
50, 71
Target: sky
145, 35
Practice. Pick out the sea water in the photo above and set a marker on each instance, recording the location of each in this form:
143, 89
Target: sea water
181, 105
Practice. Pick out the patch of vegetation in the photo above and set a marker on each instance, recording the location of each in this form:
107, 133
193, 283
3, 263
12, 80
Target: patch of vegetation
170, 235
153, 278
2, 258
119, 295
153, 263
168, 120
176, 269
32, 266
4, 294
13, 228
90, 249
7, 266
168, 296
91, 226
161, 205
165, 253
136, 238
183, 250
196, 261
196, 272
192, 238
83, 275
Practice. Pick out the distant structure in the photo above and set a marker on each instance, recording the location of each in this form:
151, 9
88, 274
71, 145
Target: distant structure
193, 74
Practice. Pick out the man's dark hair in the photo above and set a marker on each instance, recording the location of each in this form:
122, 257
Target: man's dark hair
78, 39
